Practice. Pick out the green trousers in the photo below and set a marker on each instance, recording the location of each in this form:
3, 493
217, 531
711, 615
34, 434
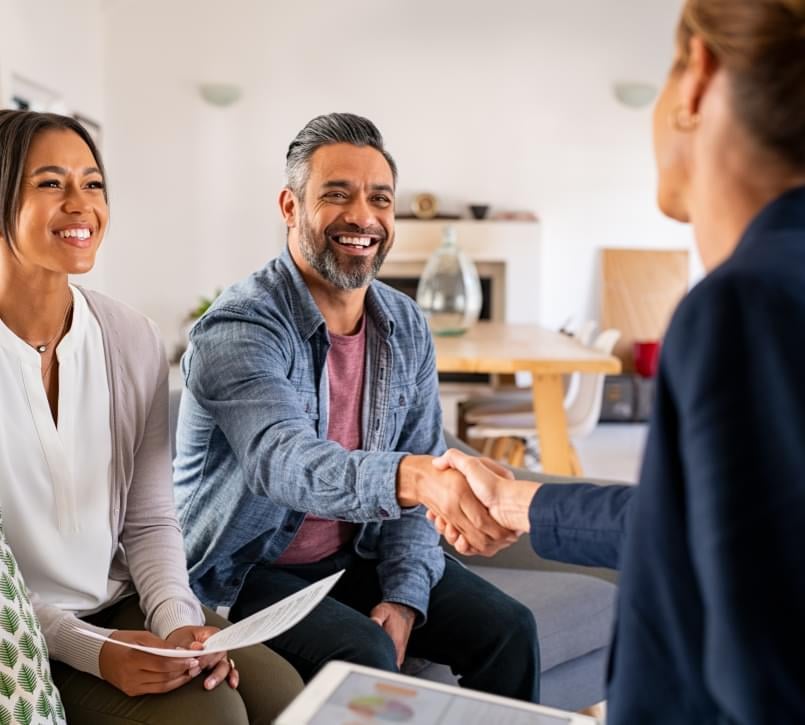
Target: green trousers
267, 684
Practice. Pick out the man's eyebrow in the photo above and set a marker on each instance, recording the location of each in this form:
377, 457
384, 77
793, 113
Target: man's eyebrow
383, 187
61, 170
344, 184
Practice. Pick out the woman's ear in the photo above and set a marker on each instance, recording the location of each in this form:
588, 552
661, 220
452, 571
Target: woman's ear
696, 77
289, 206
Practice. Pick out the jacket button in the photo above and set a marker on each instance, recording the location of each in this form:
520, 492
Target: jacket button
383, 513
402, 400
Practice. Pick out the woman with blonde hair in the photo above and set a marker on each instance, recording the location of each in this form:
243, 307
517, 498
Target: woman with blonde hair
712, 588
85, 473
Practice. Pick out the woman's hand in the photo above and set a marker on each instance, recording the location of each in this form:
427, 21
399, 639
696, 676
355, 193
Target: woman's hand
139, 673
223, 667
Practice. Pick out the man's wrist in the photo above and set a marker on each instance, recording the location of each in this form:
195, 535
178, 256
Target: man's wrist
403, 609
409, 478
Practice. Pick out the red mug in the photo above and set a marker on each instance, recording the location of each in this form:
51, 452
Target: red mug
646, 357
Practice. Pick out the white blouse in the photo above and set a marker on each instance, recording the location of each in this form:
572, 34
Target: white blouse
55, 480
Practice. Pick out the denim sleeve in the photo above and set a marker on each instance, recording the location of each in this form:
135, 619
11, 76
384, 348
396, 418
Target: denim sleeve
411, 559
580, 523
237, 369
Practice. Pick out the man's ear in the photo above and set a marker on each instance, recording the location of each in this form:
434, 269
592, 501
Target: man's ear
289, 207
701, 67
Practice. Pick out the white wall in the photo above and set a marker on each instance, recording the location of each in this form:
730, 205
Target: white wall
57, 44
507, 102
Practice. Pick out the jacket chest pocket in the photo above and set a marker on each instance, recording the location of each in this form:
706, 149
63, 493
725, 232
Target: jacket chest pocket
402, 398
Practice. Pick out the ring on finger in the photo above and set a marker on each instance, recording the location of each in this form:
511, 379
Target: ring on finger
232, 664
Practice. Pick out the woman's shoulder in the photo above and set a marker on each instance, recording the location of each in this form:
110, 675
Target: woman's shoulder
118, 317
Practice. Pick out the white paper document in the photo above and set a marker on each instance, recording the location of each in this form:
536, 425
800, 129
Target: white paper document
260, 626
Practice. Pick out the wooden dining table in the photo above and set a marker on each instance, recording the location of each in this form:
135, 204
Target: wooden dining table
500, 347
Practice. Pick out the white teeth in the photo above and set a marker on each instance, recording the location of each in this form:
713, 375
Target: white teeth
356, 241
75, 233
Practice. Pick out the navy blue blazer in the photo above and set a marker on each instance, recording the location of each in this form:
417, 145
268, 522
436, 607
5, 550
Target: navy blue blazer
711, 612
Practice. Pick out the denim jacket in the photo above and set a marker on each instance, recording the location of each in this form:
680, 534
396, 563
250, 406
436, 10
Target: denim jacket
252, 454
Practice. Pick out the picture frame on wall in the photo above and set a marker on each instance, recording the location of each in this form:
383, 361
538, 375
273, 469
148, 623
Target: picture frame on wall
22, 94
27, 95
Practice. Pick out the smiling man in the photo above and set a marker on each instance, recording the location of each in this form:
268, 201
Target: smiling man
306, 435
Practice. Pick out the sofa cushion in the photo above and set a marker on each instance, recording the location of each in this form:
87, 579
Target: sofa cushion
574, 613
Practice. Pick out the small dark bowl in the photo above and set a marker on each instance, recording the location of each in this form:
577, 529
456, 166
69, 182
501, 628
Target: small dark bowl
479, 210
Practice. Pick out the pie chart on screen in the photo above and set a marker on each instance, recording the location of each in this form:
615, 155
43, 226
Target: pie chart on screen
381, 708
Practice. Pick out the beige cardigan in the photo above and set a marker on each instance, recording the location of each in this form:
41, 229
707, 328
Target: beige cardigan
147, 550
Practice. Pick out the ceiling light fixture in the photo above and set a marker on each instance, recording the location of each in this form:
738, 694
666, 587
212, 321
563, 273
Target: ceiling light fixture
634, 94
220, 94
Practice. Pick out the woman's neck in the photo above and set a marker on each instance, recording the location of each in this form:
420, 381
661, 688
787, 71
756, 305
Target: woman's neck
728, 193
33, 305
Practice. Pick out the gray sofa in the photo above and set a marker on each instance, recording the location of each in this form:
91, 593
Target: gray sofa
573, 608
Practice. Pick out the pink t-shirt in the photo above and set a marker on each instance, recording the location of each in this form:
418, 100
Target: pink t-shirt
318, 538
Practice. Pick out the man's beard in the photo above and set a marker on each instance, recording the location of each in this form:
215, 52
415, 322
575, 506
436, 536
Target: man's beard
343, 272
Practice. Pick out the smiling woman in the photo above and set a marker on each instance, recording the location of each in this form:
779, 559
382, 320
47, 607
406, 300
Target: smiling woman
83, 380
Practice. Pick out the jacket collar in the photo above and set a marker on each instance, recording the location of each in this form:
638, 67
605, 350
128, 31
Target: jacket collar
307, 315
785, 214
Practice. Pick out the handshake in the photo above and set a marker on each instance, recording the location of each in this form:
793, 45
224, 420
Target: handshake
475, 503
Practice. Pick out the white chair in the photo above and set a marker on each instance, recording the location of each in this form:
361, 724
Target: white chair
505, 434
585, 336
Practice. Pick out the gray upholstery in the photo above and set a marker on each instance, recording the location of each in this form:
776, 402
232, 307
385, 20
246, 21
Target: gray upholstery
573, 610
565, 632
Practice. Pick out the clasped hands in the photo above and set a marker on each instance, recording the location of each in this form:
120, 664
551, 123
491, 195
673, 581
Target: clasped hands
140, 673
475, 503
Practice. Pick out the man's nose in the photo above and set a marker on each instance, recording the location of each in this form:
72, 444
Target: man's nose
360, 213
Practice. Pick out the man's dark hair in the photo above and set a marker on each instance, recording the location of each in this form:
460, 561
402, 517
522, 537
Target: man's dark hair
330, 129
17, 131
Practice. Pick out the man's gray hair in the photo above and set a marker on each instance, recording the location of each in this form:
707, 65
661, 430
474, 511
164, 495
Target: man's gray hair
330, 129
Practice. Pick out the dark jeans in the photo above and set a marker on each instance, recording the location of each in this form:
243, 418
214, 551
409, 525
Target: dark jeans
487, 638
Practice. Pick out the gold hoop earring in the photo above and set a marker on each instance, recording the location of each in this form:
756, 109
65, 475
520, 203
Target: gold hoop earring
683, 120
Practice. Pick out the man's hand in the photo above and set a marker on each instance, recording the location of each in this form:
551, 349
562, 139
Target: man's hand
191, 637
446, 493
397, 621
507, 500
140, 673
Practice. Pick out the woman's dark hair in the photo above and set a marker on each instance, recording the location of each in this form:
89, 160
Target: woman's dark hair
17, 131
761, 45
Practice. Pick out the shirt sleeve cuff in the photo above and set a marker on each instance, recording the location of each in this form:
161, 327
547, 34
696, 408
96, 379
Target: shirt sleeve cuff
76, 649
542, 517
377, 486
172, 614
416, 596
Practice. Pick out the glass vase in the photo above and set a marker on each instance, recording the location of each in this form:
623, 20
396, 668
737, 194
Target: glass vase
449, 291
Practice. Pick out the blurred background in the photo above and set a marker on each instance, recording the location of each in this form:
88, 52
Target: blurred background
512, 103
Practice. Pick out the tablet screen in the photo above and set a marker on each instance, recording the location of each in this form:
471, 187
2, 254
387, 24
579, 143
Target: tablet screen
361, 699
